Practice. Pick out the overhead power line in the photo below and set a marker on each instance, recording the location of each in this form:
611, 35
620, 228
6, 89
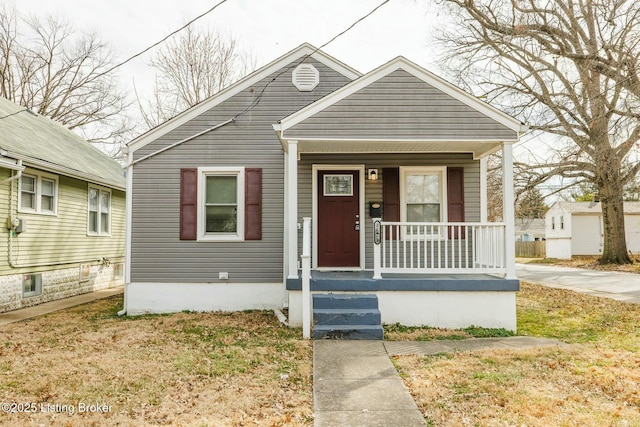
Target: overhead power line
304, 58
202, 15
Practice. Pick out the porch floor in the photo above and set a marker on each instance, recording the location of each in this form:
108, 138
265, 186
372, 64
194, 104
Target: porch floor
362, 281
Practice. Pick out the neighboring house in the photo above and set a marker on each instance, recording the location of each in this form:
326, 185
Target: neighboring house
575, 228
64, 212
218, 196
530, 229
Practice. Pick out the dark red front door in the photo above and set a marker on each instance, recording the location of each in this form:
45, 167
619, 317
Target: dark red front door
338, 214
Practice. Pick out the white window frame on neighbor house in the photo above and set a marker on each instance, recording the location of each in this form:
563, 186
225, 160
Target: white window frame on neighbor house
205, 172
38, 178
98, 231
441, 171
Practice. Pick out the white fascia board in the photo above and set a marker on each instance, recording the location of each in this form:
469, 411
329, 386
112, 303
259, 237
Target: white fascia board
417, 71
253, 78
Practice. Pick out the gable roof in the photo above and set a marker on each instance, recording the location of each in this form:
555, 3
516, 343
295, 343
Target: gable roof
304, 50
535, 227
424, 122
46, 144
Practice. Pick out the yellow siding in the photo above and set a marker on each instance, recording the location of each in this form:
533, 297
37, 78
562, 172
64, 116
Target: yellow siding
60, 239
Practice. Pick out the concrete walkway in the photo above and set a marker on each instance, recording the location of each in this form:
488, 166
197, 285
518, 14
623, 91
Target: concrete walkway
355, 383
49, 307
609, 284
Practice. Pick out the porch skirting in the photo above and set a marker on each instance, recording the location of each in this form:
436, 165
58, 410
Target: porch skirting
441, 309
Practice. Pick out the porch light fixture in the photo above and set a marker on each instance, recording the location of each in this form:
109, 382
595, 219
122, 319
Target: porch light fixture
373, 174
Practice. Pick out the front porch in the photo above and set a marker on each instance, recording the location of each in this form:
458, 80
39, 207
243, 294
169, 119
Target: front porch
363, 281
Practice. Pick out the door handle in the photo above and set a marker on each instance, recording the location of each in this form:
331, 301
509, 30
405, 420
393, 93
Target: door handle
357, 226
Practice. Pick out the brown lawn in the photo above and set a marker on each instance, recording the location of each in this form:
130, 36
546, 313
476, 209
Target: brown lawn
182, 369
595, 381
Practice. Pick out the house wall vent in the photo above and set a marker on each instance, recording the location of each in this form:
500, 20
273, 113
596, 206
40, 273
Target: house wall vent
305, 77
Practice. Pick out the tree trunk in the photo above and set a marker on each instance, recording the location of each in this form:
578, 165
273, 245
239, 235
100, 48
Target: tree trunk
615, 244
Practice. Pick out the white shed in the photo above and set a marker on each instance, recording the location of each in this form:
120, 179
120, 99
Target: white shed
575, 228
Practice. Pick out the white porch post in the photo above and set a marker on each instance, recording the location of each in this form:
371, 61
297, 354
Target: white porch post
483, 190
292, 208
508, 210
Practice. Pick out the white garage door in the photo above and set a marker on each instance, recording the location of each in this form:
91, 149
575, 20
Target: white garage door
586, 235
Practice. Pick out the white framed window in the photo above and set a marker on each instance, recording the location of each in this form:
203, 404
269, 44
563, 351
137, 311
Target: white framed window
99, 211
38, 193
423, 195
221, 204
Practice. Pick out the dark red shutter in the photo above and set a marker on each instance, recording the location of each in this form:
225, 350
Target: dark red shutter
253, 204
188, 204
391, 198
455, 195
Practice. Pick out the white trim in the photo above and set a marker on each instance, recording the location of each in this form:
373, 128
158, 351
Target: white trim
314, 202
483, 190
418, 72
100, 190
246, 82
38, 176
203, 172
291, 192
129, 222
508, 212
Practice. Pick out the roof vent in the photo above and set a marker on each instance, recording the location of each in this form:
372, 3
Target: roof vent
305, 77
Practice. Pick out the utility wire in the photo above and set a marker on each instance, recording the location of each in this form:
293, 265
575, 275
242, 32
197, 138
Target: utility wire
343, 32
202, 15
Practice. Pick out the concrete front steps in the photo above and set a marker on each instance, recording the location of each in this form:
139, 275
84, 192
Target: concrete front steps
346, 317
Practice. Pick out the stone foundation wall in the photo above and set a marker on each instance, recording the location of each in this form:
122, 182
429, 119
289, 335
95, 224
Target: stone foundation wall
58, 284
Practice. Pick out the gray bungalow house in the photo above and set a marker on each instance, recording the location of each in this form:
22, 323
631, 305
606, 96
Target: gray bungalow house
379, 178
63, 207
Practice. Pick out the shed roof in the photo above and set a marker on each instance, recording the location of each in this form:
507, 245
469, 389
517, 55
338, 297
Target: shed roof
46, 144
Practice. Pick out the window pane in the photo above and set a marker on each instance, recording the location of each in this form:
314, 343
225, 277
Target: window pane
104, 223
423, 213
28, 200
28, 192
48, 187
338, 185
221, 219
46, 203
105, 202
423, 188
93, 199
221, 189
28, 184
93, 222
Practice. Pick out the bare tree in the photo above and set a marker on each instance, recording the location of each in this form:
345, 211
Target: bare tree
190, 69
46, 67
568, 68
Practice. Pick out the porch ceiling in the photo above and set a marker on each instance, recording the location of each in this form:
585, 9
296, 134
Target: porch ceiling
477, 148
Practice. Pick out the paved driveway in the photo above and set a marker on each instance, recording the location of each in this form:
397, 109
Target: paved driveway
609, 284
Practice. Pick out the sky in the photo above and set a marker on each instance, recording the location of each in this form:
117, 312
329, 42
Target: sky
268, 28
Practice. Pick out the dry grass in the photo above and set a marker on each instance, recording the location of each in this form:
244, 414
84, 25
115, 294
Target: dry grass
595, 381
211, 369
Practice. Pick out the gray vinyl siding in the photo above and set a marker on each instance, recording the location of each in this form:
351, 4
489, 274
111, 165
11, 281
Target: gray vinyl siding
158, 254
373, 190
400, 106
54, 240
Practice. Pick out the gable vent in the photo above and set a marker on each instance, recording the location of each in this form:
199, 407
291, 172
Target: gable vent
305, 77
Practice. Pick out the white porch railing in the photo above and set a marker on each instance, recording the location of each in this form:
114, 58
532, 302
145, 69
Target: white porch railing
463, 248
